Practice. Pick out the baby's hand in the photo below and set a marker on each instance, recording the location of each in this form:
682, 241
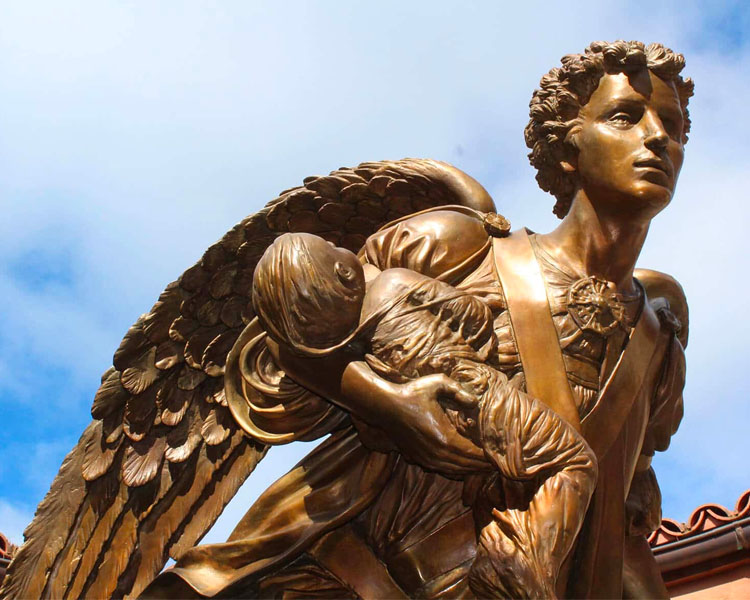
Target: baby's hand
475, 379
465, 401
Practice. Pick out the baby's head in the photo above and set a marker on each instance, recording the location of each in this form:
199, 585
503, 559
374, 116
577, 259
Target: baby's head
308, 293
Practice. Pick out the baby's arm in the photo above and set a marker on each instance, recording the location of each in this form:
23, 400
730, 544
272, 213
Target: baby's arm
396, 283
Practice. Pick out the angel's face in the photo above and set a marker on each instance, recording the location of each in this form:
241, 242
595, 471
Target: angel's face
630, 143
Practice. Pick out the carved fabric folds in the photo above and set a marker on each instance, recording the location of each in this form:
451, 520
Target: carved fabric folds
460, 257
266, 403
329, 487
653, 419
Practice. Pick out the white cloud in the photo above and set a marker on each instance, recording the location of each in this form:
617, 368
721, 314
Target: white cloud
133, 135
13, 520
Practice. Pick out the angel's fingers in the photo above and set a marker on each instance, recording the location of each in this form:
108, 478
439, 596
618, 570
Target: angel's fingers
464, 449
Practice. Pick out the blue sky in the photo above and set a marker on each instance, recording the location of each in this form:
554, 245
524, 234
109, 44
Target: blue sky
134, 134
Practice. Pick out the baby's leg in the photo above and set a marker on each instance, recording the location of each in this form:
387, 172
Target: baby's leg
521, 551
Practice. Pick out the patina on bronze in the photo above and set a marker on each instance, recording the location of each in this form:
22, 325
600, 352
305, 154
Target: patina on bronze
493, 398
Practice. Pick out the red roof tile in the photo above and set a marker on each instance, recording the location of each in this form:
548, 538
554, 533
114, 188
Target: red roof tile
703, 518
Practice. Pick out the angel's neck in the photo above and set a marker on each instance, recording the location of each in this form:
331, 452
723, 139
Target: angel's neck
603, 245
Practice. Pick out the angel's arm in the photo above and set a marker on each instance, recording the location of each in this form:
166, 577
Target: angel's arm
642, 578
410, 413
442, 244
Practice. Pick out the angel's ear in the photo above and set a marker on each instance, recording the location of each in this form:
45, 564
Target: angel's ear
569, 162
567, 166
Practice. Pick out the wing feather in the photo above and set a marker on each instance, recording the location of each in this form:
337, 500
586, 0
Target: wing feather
174, 403
163, 455
183, 441
98, 454
43, 543
142, 373
110, 396
97, 522
223, 486
142, 461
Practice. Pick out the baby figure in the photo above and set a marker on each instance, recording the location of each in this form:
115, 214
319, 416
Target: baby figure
313, 297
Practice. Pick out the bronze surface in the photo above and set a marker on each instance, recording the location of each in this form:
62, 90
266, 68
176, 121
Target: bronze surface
491, 402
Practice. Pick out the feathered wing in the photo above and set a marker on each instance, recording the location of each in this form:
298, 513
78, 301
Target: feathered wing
163, 455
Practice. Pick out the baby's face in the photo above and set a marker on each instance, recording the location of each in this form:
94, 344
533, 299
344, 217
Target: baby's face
345, 271
340, 264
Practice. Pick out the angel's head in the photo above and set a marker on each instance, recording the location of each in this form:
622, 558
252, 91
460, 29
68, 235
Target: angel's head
557, 111
308, 293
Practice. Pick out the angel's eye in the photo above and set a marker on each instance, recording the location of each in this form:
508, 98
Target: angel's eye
625, 116
621, 117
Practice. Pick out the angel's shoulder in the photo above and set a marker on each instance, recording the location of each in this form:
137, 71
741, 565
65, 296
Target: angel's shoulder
445, 224
664, 292
434, 243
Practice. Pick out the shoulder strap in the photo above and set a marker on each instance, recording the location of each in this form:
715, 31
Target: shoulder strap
541, 355
636, 367
533, 328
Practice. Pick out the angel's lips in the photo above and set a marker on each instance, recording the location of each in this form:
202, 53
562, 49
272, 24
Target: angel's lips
654, 163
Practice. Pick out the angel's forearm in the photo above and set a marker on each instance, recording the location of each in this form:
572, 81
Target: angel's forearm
366, 395
409, 414
343, 380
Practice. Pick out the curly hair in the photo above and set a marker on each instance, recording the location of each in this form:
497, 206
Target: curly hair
554, 108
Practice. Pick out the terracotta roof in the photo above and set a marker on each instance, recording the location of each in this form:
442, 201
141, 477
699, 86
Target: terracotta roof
713, 541
703, 519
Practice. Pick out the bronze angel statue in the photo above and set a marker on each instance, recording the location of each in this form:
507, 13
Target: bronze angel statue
489, 399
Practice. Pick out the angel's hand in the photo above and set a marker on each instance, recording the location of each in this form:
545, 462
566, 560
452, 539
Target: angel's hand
413, 418
410, 414
424, 434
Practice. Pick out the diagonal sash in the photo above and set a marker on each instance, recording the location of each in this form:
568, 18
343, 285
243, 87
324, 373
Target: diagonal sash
533, 329
636, 367
541, 356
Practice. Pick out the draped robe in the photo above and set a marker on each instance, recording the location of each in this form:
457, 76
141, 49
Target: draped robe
394, 504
